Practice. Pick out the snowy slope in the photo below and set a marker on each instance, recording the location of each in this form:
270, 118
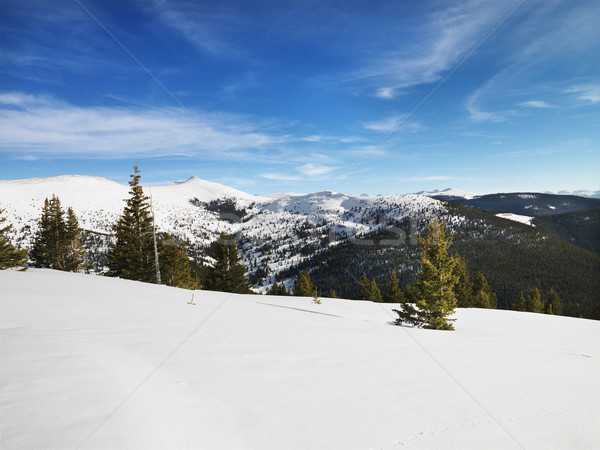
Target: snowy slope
98, 363
527, 220
449, 193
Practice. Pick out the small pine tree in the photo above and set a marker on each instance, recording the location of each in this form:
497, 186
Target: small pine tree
374, 292
174, 264
363, 288
48, 248
482, 294
534, 301
393, 293
332, 293
74, 253
228, 273
521, 303
132, 254
463, 289
553, 303
9, 255
436, 300
304, 287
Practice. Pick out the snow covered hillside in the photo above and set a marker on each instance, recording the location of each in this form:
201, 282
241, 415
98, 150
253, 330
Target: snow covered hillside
97, 363
274, 231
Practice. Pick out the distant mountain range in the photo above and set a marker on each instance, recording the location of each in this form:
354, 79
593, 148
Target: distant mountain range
339, 237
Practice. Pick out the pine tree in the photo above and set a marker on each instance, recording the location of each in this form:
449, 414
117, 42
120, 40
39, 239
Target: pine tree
374, 292
228, 274
482, 294
463, 289
73, 248
9, 255
553, 303
534, 302
132, 255
304, 287
278, 289
520, 304
436, 300
393, 293
363, 288
48, 248
175, 264
332, 293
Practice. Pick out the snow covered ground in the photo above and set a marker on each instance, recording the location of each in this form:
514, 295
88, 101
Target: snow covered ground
98, 363
527, 220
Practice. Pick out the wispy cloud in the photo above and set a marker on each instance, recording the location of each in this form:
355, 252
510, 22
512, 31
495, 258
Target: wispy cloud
537, 104
445, 37
42, 126
551, 35
313, 170
390, 123
588, 93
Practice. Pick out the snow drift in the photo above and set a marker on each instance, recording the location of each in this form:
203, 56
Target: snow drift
95, 363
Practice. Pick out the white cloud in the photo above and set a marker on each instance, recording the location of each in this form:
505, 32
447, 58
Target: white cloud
385, 92
588, 93
281, 177
536, 104
41, 126
391, 123
314, 170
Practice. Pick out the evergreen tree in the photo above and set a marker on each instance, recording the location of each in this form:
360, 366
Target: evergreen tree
278, 289
393, 293
73, 248
436, 300
9, 255
374, 292
332, 293
520, 304
229, 273
363, 288
482, 294
132, 255
304, 287
553, 303
534, 301
48, 248
175, 264
463, 289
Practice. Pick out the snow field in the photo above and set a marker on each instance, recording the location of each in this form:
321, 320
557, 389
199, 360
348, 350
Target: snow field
95, 363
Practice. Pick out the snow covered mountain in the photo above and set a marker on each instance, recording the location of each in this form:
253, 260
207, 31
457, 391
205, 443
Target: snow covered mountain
273, 230
102, 363
337, 237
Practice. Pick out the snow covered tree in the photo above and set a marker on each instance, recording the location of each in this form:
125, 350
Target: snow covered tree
482, 294
228, 273
534, 301
434, 288
304, 287
175, 264
9, 255
132, 254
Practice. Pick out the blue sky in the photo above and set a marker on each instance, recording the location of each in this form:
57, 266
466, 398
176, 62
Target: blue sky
268, 96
